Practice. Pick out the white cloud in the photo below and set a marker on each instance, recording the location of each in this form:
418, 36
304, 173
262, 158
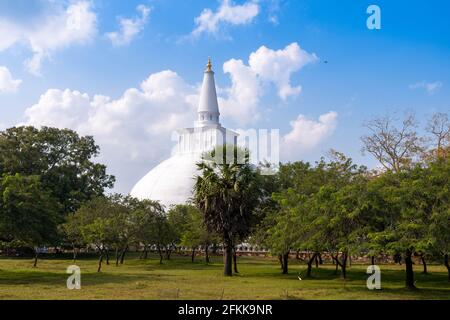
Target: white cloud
277, 66
242, 99
130, 28
430, 87
7, 83
227, 13
133, 131
265, 66
58, 28
307, 134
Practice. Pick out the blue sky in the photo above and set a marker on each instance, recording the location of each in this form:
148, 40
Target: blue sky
403, 66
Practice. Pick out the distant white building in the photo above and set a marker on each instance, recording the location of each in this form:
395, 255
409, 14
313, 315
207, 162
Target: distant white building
171, 182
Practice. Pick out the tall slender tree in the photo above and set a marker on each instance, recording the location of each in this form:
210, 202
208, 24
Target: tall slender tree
227, 194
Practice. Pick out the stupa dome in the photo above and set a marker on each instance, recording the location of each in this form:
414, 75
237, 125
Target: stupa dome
172, 181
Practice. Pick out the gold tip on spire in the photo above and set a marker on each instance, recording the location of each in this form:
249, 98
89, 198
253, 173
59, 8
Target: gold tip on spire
209, 65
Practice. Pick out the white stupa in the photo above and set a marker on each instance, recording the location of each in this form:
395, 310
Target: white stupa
172, 181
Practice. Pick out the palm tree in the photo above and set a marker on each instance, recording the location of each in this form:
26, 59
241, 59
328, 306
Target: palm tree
227, 194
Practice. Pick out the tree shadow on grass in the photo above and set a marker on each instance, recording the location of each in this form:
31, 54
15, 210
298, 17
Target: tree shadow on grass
25, 277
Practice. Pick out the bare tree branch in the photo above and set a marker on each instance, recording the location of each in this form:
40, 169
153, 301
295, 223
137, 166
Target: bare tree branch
395, 145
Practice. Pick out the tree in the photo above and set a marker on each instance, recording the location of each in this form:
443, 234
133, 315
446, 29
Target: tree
61, 158
193, 232
440, 216
145, 215
410, 196
439, 128
339, 215
227, 194
162, 235
72, 232
286, 225
97, 219
28, 213
394, 145
178, 217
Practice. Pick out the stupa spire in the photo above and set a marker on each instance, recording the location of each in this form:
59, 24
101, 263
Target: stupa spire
208, 109
209, 65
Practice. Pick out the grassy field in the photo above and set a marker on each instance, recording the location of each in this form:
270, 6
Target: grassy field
259, 278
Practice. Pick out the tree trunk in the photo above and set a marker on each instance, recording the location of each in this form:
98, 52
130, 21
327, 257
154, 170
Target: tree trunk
227, 259
446, 263
206, 254
107, 257
160, 254
36, 254
117, 257
285, 262
344, 265
398, 258
310, 262
100, 260
122, 256
74, 253
280, 259
317, 260
409, 270
235, 261
145, 252
373, 260
424, 263
193, 255
320, 258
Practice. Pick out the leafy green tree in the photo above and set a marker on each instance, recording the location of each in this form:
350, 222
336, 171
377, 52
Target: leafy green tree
227, 193
72, 233
97, 219
162, 235
335, 209
192, 231
28, 213
61, 158
410, 196
178, 217
440, 217
144, 216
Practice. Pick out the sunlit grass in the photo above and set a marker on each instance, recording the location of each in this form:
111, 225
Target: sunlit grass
258, 278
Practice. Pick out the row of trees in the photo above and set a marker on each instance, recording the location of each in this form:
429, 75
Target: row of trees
116, 223
344, 209
51, 192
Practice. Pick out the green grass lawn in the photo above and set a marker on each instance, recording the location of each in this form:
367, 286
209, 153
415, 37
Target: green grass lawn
259, 278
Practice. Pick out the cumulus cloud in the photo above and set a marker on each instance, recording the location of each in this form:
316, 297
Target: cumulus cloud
306, 134
7, 83
242, 99
430, 87
265, 66
133, 131
227, 13
130, 27
57, 28
277, 66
